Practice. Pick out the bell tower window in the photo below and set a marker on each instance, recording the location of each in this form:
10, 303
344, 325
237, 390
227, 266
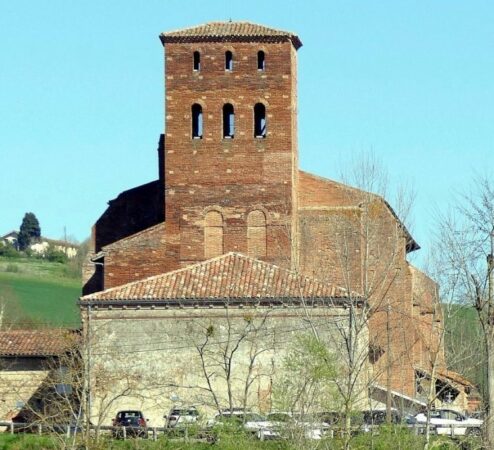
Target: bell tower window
261, 61
229, 61
197, 61
196, 121
259, 121
228, 121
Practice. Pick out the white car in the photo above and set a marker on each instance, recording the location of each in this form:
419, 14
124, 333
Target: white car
251, 422
181, 417
285, 423
449, 422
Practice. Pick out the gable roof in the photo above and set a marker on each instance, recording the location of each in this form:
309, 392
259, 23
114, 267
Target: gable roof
230, 31
232, 276
447, 376
50, 342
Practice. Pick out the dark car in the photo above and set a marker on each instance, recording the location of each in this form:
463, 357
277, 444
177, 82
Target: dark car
134, 422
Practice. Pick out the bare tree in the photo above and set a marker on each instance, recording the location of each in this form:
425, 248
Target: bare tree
466, 243
360, 244
229, 357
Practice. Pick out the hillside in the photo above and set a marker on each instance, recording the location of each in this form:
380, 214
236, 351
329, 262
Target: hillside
464, 343
39, 293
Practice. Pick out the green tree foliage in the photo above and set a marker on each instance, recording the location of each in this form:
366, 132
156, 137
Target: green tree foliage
55, 255
29, 231
307, 384
8, 250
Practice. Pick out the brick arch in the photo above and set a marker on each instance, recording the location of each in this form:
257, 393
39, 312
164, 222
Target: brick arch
261, 208
256, 234
213, 233
261, 100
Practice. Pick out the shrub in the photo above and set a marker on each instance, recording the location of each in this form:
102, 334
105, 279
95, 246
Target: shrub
13, 268
8, 250
55, 255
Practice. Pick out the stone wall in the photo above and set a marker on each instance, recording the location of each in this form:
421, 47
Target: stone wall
20, 379
148, 359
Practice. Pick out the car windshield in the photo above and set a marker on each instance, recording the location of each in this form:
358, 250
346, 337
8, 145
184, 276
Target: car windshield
128, 414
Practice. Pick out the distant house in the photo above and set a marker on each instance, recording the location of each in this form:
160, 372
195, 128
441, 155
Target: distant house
10, 239
28, 358
43, 244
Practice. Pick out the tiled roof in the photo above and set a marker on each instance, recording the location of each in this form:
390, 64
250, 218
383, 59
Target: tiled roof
37, 342
454, 376
448, 376
229, 31
231, 276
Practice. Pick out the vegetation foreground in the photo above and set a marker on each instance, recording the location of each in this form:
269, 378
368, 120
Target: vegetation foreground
394, 438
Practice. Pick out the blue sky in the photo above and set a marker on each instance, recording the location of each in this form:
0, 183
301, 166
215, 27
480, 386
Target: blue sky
81, 96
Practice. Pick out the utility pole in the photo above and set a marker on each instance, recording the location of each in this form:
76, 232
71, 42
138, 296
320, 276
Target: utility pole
489, 331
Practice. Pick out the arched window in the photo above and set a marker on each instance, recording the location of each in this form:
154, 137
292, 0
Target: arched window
228, 121
259, 121
256, 234
196, 121
228, 60
213, 234
261, 61
197, 61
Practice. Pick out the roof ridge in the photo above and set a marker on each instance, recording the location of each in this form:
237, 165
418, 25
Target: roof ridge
244, 275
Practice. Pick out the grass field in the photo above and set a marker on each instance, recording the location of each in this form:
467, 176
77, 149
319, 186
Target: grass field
39, 293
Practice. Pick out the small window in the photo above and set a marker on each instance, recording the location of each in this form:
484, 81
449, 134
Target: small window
259, 121
196, 121
261, 61
197, 61
228, 121
228, 60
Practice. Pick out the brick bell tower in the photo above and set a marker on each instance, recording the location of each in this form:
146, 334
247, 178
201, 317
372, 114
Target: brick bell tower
230, 152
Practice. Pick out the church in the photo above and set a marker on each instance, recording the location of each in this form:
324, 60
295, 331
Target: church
233, 236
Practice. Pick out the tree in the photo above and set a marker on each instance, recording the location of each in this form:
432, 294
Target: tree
466, 243
29, 231
364, 244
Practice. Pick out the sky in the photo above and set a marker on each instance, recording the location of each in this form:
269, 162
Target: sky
81, 97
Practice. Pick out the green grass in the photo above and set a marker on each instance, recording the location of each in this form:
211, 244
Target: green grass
392, 440
39, 293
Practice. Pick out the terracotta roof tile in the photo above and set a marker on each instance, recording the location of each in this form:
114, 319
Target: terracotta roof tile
230, 276
448, 376
50, 342
229, 31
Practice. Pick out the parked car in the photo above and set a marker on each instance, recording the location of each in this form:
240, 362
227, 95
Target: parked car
285, 424
449, 422
249, 421
181, 417
134, 422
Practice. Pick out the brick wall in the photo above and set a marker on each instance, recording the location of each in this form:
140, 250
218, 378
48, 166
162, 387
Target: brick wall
352, 238
232, 176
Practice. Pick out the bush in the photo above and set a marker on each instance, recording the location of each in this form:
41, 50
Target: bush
55, 255
8, 250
